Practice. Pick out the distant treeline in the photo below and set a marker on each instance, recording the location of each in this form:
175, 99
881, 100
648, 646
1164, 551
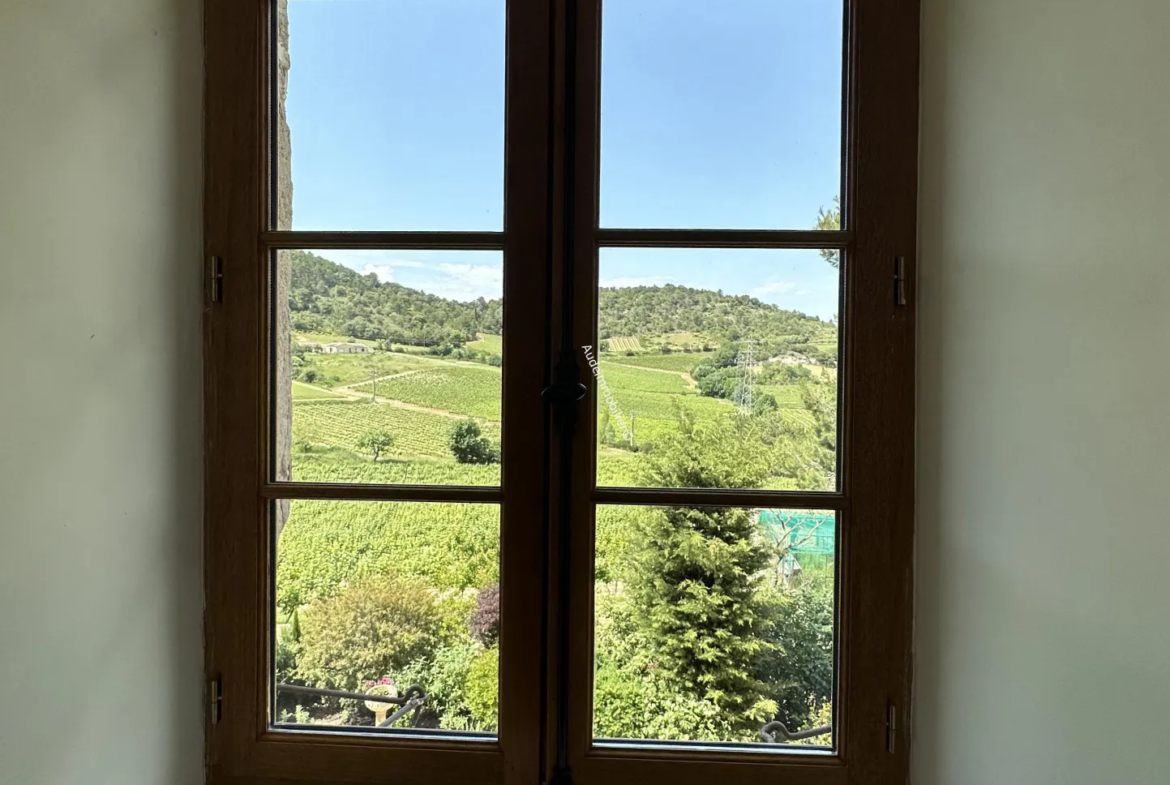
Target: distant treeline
327, 297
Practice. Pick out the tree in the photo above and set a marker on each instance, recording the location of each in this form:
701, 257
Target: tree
819, 395
375, 442
469, 446
764, 403
697, 573
830, 221
799, 666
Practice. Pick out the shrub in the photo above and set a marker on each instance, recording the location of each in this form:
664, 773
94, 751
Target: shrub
633, 697
483, 688
799, 666
648, 706
469, 446
368, 630
485, 619
764, 403
444, 677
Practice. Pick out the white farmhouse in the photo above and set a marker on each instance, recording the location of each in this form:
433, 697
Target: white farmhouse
346, 348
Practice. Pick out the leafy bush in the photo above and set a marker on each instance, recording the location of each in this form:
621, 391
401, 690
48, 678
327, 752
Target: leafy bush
633, 697
485, 619
369, 630
764, 403
444, 677
483, 688
648, 706
798, 667
469, 446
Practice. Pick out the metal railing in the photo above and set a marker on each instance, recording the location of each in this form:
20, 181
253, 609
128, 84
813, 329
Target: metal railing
772, 730
413, 699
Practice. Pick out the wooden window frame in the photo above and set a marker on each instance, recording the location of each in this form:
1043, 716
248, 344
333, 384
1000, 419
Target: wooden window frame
875, 499
239, 238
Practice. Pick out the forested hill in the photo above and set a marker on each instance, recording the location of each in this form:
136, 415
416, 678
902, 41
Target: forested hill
656, 310
327, 297
330, 297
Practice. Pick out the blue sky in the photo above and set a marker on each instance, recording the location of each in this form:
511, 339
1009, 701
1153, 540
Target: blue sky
714, 115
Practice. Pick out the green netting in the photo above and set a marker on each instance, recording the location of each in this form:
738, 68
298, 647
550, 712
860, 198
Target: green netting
802, 530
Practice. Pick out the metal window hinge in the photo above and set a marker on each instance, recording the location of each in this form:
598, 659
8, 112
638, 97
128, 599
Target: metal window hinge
891, 727
215, 699
214, 279
900, 281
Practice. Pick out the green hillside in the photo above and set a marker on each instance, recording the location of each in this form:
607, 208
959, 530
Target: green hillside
423, 407
326, 297
640, 311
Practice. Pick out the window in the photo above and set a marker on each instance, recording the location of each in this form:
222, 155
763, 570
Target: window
559, 390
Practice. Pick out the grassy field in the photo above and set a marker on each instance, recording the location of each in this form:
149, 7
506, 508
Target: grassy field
307, 392
339, 465
787, 395
624, 378
679, 341
339, 370
326, 427
624, 344
341, 423
327, 544
679, 362
329, 338
826, 341
616, 467
647, 400
488, 343
473, 390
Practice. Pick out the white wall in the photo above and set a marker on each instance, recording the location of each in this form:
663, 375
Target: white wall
100, 446
1043, 608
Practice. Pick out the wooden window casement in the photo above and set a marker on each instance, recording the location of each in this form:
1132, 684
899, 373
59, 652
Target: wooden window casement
551, 492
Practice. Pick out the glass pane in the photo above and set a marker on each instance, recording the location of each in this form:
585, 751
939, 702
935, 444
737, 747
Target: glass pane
398, 600
388, 367
717, 368
715, 625
720, 115
390, 115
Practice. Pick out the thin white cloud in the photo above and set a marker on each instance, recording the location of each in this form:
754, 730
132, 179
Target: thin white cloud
625, 282
364, 260
461, 281
384, 272
773, 288
381, 263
